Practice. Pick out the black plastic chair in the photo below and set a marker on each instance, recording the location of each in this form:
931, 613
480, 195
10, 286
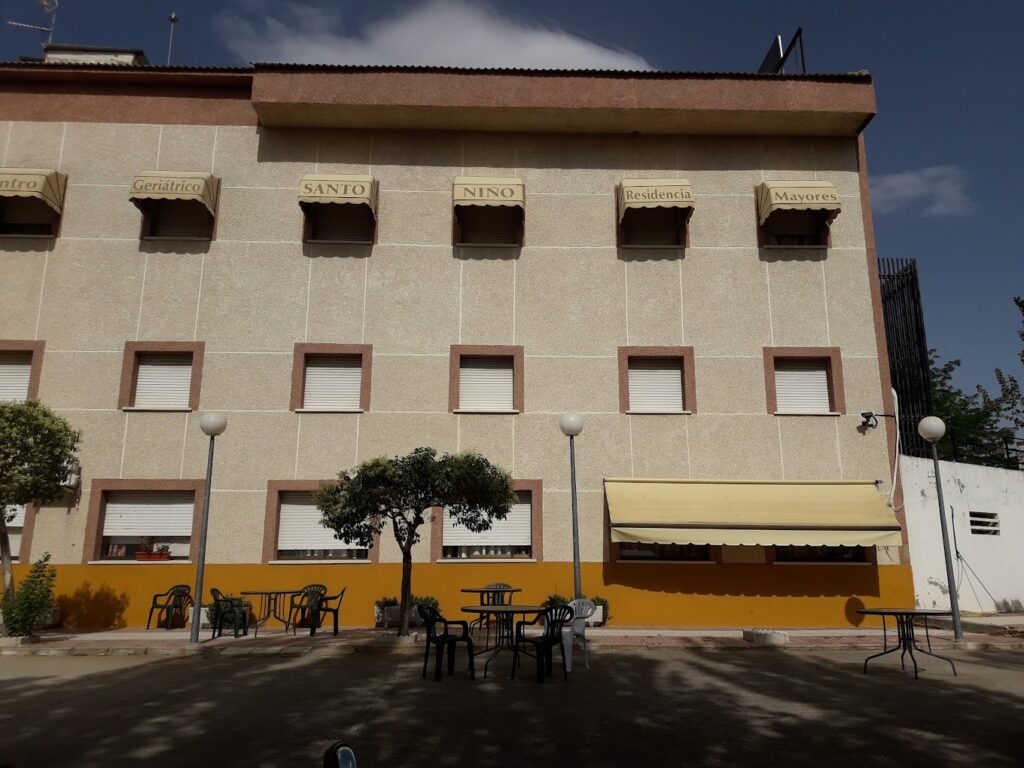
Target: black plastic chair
443, 640
322, 608
224, 608
491, 598
300, 606
555, 618
175, 601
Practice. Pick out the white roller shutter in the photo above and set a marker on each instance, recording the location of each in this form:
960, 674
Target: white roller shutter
15, 369
148, 513
299, 525
655, 386
516, 530
14, 528
333, 383
163, 381
485, 384
801, 386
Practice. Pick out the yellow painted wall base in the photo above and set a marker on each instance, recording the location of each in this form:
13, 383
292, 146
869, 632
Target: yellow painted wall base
640, 594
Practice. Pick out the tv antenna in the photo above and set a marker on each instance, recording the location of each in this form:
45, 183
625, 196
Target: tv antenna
775, 60
48, 6
173, 19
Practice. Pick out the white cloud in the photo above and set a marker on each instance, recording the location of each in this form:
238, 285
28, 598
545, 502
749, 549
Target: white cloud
433, 32
939, 190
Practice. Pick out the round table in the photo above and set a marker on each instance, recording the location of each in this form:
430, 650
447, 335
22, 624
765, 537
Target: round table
905, 640
269, 599
505, 619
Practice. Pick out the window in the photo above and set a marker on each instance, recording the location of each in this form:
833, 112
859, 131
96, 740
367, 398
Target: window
302, 536
31, 202
488, 211
331, 377
20, 363
163, 376
176, 220
982, 523
700, 553
507, 539
653, 213
135, 521
176, 205
334, 223
486, 380
27, 217
656, 380
796, 228
820, 554
15, 528
804, 381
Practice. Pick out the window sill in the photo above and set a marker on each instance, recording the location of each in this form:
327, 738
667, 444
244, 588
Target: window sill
27, 237
462, 560
817, 562
461, 412
156, 410
329, 410
139, 562
789, 413
669, 562
659, 413
319, 562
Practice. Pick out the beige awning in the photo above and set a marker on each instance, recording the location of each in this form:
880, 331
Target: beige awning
176, 185
750, 513
339, 190
482, 190
654, 193
43, 184
796, 196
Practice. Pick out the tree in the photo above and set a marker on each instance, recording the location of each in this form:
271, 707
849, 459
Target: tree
405, 492
1010, 400
36, 448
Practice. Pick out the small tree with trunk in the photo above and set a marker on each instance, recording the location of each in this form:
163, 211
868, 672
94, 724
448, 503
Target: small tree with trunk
405, 492
36, 449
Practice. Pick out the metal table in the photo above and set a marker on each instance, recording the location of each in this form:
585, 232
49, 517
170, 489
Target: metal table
504, 616
268, 608
905, 639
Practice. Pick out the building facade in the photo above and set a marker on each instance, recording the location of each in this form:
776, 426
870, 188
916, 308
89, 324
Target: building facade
354, 262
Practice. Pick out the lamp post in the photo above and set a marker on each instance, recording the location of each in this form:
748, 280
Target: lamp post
212, 424
571, 425
932, 428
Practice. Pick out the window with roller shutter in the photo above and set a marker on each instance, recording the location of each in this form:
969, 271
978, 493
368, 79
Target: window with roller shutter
153, 518
15, 375
485, 379
339, 223
161, 376
508, 538
655, 385
176, 220
301, 534
804, 381
332, 383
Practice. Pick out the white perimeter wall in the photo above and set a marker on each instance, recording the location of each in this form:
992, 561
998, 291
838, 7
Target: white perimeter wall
997, 561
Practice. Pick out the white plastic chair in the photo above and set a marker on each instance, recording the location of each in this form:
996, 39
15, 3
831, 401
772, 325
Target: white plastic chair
583, 609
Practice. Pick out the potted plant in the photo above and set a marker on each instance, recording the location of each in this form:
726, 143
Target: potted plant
146, 551
387, 615
601, 615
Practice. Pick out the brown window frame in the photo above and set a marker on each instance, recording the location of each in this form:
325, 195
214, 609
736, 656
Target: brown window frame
93, 548
302, 351
683, 354
272, 521
459, 351
35, 349
536, 490
24, 553
130, 372
833, 360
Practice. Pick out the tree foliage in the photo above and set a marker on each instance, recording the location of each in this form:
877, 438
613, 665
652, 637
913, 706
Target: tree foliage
36, 449
26, 611
404, 492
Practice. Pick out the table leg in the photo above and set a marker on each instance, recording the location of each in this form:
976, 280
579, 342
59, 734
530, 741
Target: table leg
907, 641
885, 648
929, 651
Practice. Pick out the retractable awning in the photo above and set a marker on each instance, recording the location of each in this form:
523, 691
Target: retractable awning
482, 190
339, 190
797, 196
750, 513
654, 193
43, 184
175, 185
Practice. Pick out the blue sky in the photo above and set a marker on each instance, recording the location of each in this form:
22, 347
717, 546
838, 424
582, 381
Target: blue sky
944, 152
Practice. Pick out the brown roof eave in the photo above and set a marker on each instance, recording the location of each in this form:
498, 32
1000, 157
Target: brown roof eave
39, 73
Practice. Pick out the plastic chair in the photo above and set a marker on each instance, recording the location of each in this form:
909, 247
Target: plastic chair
175, 600
323, 607
555, 618
583, 609
301, 606
491, 598
443, 640
234, 608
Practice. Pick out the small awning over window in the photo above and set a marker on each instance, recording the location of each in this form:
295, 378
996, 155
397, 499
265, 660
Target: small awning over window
654, 193
482, 190
797, 196
750, 513
175, 185
339, 190
43, 184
